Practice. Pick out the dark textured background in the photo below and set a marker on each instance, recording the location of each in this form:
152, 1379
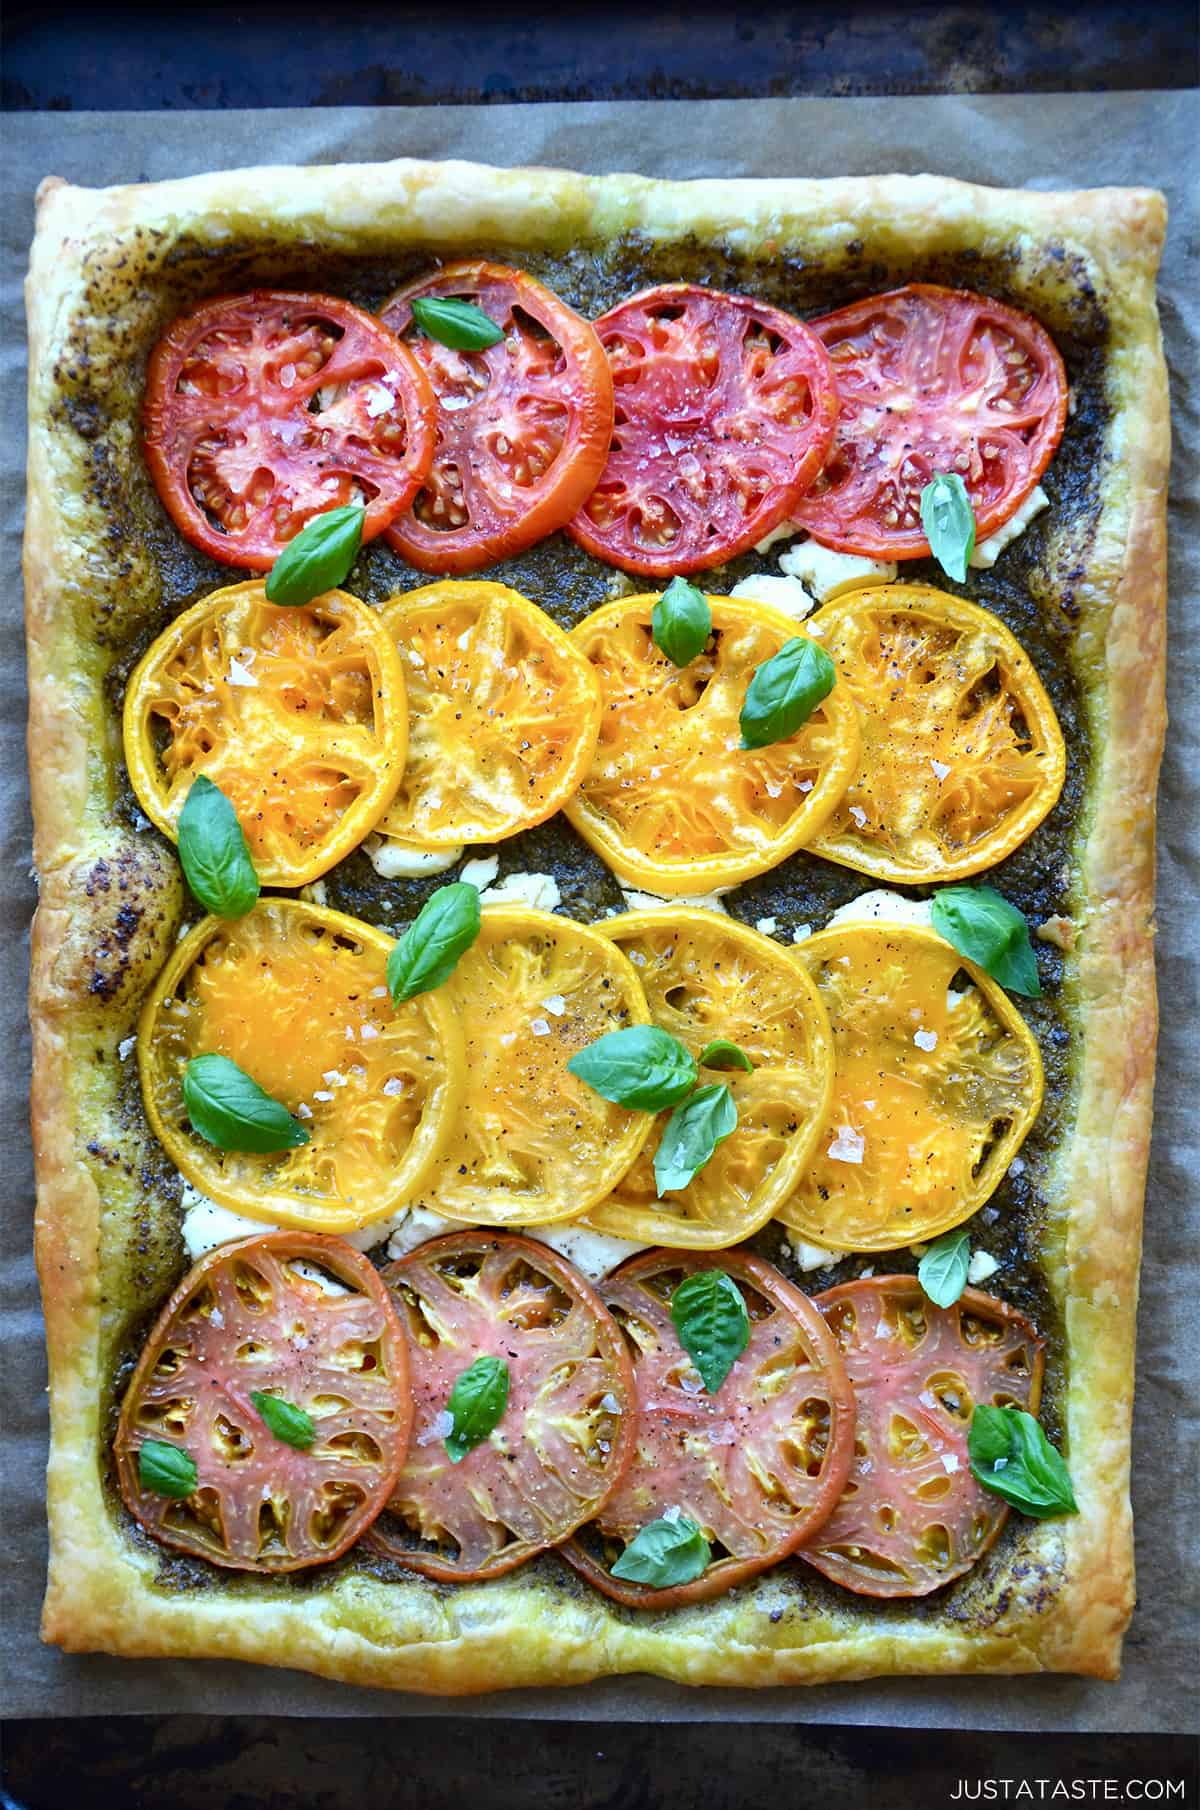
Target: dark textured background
129, 57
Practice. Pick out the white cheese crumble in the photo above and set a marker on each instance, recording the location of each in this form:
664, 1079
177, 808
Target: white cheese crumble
801, 933
883, 906
925, 1040
650, 901
315, 892
417, 1226
827, 574
480, 871
787, 595
325, 1282
397, 861
981, 1268
847, 1147
812, 1256
987, 552
765, 926
785, 531
206, 1225
592, 1253
126, 1048
538, 892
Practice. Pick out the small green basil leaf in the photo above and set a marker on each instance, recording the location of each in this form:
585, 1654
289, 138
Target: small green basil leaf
476, 1403
785, 691
213, 851
949, 523
942, 1271
640, 1066
166, 1470
428, 952
460, 325
232, 1111
720, 1053
710, 1316
1011, 1456
666, 1552
287, 1422
319, 557
990, 932
681, 622
691, 1134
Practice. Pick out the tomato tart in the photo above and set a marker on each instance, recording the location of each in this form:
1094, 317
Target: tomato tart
593, 746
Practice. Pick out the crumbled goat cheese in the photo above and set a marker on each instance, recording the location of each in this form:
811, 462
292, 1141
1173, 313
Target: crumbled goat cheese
987, 552
480, 870
826, 573
787, 595
981, 1268
396, 861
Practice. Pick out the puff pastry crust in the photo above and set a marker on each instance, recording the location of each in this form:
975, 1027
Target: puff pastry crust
104, 278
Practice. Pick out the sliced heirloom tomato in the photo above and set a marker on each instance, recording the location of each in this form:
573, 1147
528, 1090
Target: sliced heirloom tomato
263, 410
298, 715
725, 410
912, 1516
707, 977
505, 712
566, 1432
523, 426
962, 756
672, 801
758, 1466
937, 1078
290, 1315
931, 381
532, 1143
297, 997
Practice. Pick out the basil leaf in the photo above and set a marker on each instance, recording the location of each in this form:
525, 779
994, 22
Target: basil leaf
949, 523
942, 1271
681, 622
720, 1053
990, 932
692, 1133
476, 1403
641, 1066
166, 1470
709, 1314
665, 1552
460, 325
1011, 1456
212, 848
427, 954
785, 691
319, 557
287, 1422
232, 1111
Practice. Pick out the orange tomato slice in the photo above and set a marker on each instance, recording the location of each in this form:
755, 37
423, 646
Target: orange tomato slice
672, 801
298, 715
503, 715
937, 1079
533, 1143
705, 977
297, 997
962, 755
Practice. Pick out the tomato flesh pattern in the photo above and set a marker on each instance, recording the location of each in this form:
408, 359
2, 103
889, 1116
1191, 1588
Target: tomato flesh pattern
244, 1320
759, 1465
913, 1517
523, 426
931, 381
725, 408
567, 1426
265, 409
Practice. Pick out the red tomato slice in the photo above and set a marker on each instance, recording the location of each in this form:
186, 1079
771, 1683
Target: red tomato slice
522, 427
725, 409
265, 409
913, 1517
932, 380
567, 1429
785, 1412
260, 1315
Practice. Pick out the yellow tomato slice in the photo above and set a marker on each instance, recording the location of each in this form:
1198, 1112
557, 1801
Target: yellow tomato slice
672, 801
706, 977
962, 755
937, 1079
533, 1143
298, 715
503, 714
297, 997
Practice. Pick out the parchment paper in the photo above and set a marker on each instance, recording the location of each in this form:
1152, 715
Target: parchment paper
1040, 142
